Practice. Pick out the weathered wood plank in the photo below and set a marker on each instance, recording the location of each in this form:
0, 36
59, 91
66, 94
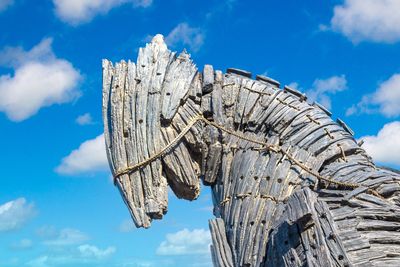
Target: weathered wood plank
271, 211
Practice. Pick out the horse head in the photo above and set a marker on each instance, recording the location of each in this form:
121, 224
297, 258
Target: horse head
283, 174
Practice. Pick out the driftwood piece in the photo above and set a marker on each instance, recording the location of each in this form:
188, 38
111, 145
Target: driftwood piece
290, 186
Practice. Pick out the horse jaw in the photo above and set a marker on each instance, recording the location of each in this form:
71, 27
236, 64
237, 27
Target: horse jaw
145, 106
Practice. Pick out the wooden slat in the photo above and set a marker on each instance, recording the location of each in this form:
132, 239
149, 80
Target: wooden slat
271, 211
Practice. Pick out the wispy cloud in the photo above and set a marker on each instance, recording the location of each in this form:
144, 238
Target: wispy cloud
84, 119
384, 147
184, 34
385, 100
89, 251
47, 231
40, 79
186, 242
14, 214
90, 157
126, 226
13, 261
207, 208
165, 262
222, 8
4, 4
67, 237
368, 20
22, 244
77, 12
323, 89
87, 255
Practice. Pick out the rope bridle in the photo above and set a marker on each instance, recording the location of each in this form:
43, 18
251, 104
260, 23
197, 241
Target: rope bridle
265, 146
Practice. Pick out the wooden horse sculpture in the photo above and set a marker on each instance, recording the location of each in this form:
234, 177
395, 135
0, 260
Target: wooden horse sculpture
290, 186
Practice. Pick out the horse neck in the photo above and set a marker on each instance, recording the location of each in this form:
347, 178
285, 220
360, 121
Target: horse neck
249, 182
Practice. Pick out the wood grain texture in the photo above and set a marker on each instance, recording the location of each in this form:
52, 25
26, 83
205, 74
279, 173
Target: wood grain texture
270, 211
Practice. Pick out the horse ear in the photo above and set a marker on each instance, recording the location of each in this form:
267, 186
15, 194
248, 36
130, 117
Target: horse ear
145, 107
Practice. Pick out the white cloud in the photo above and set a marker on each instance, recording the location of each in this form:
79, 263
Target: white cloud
184, 34
368, 20
83, 255
89, 251
126, 226
40, 79
66, 237
89, 157
162, 261
84, 119
186, 242
14, 214
39, 262
22, 244
4, 4
222, 8
47, 231
384, 100
76, 12
385, 146
322, 89
294, 85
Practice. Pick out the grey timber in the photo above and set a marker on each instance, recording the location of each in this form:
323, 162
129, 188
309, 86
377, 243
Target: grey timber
270, 210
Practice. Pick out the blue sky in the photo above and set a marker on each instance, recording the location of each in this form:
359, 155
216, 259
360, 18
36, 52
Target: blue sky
58, 206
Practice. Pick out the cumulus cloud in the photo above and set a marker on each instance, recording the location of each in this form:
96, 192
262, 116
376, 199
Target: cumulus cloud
385, 146
184, 34
322, 89
84, 119
66, 237
4, 4
76, 12
186, 242
89, 251
14, 214
88, 158
368, 20
40, 79
384, 100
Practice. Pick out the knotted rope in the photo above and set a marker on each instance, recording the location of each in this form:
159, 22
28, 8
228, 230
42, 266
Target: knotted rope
265, 146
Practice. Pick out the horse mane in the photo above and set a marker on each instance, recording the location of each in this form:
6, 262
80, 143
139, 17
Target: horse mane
290, 186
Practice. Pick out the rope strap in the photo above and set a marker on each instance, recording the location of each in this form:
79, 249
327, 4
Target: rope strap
265, 146
162, 151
